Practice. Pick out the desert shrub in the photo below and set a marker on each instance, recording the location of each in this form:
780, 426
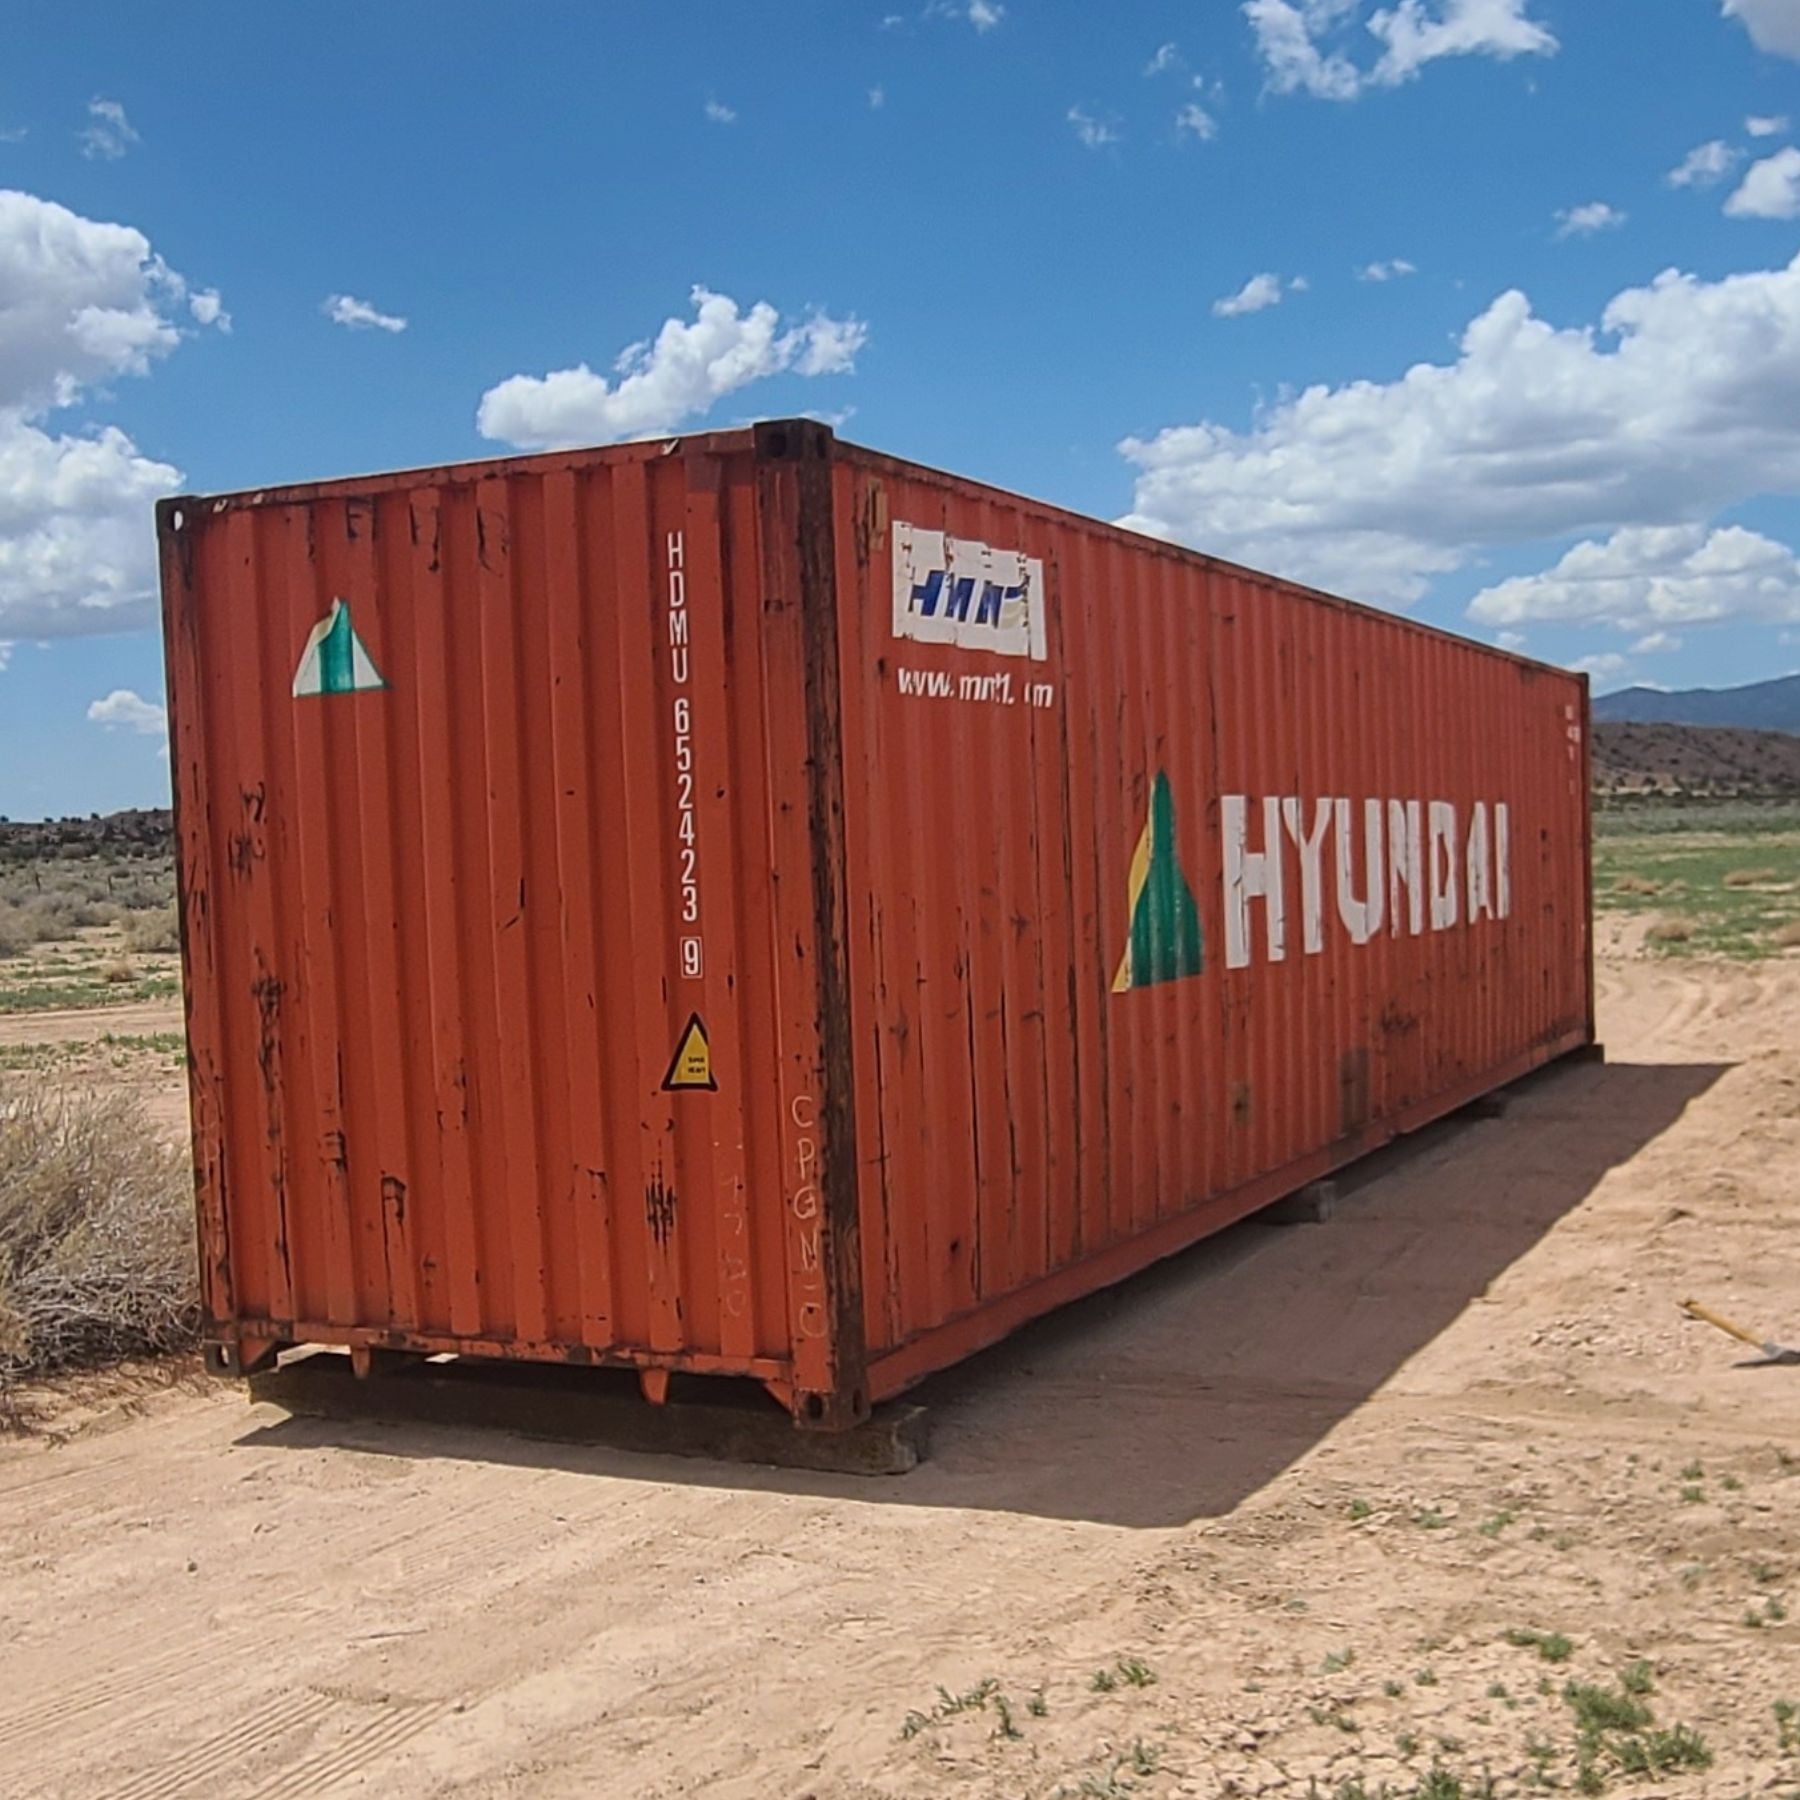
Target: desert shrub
1636, 884
138, 893
49, 918
1744, 878
1670, 931
1788, 937
16, 935
96, 1233
57, 919
94, 891
155, 930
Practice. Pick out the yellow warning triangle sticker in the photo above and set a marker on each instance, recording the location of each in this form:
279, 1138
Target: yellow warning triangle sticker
692, 1065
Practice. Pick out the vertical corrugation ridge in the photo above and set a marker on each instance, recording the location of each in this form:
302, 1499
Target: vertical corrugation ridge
987, 992
618, 539
385, 1159
928, 1234
269, 625
1214, 586
1088, 978
581, 903
1181, 597
336, 1293
472, 653
1047, 924
343, 725
1119, 759
649, 1180
443, 879
1164, 667
238, 853
498, 532
235, 836
758, 1025
708, 1155
1144, 751
543, 656
421, 1202
883, 825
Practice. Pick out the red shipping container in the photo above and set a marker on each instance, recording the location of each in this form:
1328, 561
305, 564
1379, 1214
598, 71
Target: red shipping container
752, 906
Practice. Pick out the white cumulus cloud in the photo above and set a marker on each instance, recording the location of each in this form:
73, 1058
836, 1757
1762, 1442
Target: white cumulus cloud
721, 115
127, 711
1167, 57
81, 302
1584, 221
1306, 45
1654, 575
686, 370
984, 15
1194, 120
1682, 401
1093, 133
1774, 25
77, 545
208, 309
1656, 643
109, 134
1386, 271
1256, 295
1764, 125
1705, 164
359, 315
1604, 665
1770, 188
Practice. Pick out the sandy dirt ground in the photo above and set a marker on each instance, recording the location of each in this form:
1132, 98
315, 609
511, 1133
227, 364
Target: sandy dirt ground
130, 1046
1261, 1519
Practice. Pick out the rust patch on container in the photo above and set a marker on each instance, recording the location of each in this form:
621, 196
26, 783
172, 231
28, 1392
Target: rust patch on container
393, 1198
659, 1210
1353, 1090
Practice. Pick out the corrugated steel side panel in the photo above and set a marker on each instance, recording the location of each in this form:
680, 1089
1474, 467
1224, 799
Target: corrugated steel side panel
1027, 1131
444, 933
611, 740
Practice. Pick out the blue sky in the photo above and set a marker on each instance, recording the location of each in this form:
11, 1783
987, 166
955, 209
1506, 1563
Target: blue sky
1164, 262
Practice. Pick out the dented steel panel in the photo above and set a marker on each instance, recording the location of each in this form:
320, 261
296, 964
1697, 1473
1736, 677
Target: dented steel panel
500, 912
749, 906
1118, 963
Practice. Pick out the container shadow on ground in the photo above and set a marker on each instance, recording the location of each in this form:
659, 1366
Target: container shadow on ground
1184, 1390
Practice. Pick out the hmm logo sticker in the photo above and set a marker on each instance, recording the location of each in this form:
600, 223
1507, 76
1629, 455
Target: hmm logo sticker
950, 590
335, 660
1164, 942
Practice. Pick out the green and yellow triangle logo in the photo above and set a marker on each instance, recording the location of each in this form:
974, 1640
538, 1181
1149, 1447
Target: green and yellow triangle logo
1164, 942
335, 660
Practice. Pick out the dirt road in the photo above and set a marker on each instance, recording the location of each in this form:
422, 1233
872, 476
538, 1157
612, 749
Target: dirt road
1288, 1495
135, 1047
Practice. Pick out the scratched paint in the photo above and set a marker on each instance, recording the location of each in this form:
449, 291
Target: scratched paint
770, 910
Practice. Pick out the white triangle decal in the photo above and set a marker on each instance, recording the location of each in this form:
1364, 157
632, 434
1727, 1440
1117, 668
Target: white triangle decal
335, 660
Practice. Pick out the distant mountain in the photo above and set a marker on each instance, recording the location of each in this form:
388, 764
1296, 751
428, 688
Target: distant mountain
1762, 706
1701, 761
140, 833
